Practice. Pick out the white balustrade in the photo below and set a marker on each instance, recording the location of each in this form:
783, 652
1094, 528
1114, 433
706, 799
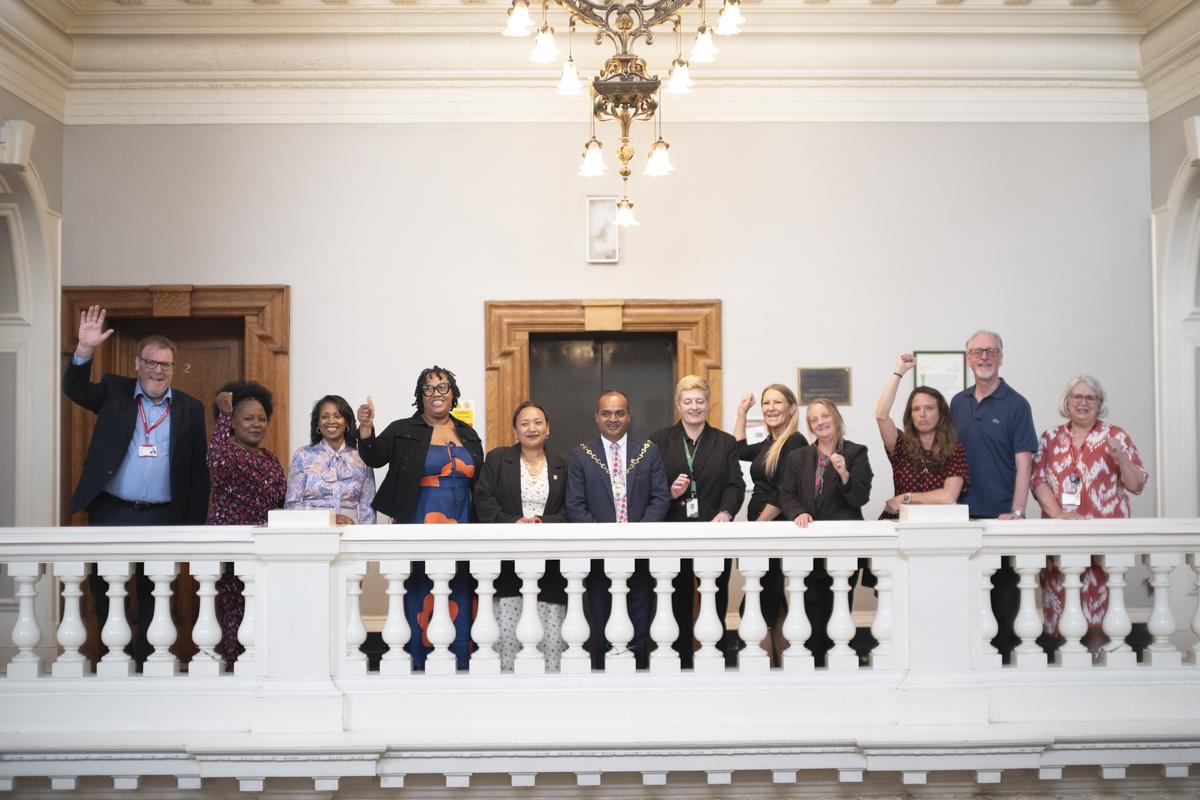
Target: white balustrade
1028, 625
206, 633
664, 629
395, 628
619, 628
883, 626
796, 627
1117, 654
1193, 560
1161, 653
708, 628
247, 662
72, 633
440, 630
161, 634
529, 661
356, 631
26, 633
115, 634
753, 628
841, 624
989, 657
575, 632
1072, 625
485, 631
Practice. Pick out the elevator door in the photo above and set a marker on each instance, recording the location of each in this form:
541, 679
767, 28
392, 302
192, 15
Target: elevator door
567, 372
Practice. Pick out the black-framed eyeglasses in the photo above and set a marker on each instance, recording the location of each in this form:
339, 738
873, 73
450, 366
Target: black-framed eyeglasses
428, 389
976, 352
153, 365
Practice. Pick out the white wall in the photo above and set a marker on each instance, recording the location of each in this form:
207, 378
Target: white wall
47, 144
830, 244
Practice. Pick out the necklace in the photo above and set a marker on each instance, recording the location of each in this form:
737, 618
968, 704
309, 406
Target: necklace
536, 466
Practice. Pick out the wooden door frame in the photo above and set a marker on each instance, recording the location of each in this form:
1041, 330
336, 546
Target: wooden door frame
265, 312
507, 325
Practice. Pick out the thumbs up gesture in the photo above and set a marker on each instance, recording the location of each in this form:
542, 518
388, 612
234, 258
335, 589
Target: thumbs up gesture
366, 418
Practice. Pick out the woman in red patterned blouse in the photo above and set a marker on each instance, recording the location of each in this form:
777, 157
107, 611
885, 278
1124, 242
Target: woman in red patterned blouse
247, 482
1082, 471
929, 464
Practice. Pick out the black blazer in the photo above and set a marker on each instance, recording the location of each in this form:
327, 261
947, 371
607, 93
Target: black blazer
111, 400
837, 500
718, 475
402, 448
589, 487
498, 488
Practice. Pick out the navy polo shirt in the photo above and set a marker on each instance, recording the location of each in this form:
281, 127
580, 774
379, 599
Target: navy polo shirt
993, 432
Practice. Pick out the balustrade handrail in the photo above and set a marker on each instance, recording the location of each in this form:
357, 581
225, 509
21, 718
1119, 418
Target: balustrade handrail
178, 543
1090, 537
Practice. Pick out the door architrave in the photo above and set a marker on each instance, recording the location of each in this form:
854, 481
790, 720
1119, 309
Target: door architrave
508, 324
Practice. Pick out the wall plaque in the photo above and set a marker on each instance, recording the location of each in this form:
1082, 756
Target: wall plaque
831, 382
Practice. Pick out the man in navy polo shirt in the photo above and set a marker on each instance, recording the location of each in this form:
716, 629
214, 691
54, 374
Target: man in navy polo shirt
995, 425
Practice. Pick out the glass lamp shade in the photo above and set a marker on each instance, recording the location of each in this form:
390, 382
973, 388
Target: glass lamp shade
731, 18
519, 21
544, 49
659, 162
679, 82
625, 216
593, 160
703, 50
569, 83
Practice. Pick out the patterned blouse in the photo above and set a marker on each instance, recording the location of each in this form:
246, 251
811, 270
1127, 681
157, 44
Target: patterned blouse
321, 477
1103, 495
246, 484
535, 491
925, 475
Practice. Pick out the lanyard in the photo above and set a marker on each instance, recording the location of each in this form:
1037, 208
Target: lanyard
145, 423
690, 455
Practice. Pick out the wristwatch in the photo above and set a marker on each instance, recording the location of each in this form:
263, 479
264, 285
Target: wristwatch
907, 498
1019, 512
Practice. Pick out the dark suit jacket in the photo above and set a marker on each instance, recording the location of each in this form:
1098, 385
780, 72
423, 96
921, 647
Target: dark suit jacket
718, 475
402, 448
797, 487
498, 487
589, 487
111, 400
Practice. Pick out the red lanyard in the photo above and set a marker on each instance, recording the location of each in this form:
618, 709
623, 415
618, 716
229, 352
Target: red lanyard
146, 424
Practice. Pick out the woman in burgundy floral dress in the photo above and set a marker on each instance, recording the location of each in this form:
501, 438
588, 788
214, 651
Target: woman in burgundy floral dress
929, 464
247, 482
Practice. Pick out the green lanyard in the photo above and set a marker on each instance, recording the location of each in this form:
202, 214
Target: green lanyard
690, 455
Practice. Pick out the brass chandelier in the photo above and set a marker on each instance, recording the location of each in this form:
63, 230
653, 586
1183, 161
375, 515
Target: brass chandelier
624, 90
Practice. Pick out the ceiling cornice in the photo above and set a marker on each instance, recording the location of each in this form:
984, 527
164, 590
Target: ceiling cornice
1170, 54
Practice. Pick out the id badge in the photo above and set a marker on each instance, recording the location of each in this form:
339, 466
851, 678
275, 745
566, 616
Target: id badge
693, 508
148, 451
1071, 499
1072, 492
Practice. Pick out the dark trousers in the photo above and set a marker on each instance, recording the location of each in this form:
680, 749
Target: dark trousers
818, 604
641, 610
105, 512
1006, 602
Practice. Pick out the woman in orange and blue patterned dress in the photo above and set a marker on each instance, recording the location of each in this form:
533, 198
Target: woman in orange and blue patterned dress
432, 460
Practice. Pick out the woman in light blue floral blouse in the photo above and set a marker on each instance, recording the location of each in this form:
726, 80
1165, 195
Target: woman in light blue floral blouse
329, 473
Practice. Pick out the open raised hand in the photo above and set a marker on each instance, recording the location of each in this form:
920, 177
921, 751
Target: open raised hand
91, 331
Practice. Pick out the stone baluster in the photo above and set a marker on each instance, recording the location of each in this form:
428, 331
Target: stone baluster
206, 634
1028, 625
619, 629
708, 627
530, 660
395, 629
1072, 624
440, 631
1117, 624
115, 634
247, 662
575, 660
796, 627
26, 633
664, 630
1193, 560
753, 628
1161, 653
883, 626
841, 625
71, 631
161, 633
485, 631
355, 660
989, 657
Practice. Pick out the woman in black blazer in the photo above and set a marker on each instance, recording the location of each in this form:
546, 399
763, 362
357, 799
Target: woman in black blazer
526, 483
706, 486
829, 479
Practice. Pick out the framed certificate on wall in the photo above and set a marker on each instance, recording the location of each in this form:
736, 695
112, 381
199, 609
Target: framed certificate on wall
944, 370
